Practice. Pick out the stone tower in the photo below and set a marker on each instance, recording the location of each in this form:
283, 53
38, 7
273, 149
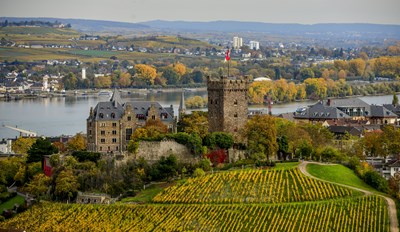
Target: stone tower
227, 104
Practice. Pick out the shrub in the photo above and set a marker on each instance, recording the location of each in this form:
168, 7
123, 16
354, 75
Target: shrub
198, 172
376, 181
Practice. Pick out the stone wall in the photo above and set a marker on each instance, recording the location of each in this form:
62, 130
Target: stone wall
153, 151
235, 155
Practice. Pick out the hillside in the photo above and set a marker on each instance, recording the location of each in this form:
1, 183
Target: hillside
242, 200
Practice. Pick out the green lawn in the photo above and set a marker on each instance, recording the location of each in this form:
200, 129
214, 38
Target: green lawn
339, 174
284, 166
10, 203
146, 195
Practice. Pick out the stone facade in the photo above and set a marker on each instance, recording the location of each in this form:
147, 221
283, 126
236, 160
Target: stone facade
227, 104
153, 151
111, 124
93, 198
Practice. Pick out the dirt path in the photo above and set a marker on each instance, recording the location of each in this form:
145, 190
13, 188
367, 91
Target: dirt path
391, 205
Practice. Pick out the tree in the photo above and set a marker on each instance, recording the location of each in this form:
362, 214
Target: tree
39, 149
165, 168
357, 66
320, 135
197, 122
146, 72
22, 145
124, 80
395, 100
198, 172
66, 184
103, 82
180, 69
373, 144
306, 73
77, 143
83, 156
260, 132
70, 81
283, 147
342, 74
171, 76
39, 185
221, 139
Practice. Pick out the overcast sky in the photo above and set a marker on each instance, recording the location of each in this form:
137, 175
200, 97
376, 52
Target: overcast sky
274, 11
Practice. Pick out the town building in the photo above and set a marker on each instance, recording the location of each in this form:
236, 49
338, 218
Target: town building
355, 109
110, 124
237, 42
227, 104
254, 45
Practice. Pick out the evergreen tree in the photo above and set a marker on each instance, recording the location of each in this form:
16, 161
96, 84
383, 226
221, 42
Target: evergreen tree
395, 100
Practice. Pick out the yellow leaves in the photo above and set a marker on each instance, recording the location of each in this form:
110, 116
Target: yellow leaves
365, 213
146, 72
180, 69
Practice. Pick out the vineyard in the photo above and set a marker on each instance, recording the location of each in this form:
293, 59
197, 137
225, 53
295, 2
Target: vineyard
252, 186
355, 214
245, 200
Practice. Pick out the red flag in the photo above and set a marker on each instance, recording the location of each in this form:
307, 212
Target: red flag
228, 55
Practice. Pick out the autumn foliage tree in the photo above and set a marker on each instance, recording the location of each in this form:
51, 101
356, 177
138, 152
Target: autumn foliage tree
77, 143
260, 132
146, 72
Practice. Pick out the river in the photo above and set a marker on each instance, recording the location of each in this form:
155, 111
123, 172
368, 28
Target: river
67, 115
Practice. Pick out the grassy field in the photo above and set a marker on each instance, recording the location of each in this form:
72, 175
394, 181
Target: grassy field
10, 203
285, 166
339, 174
146, 195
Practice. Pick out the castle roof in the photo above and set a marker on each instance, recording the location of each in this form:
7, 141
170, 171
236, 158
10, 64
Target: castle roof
319, 111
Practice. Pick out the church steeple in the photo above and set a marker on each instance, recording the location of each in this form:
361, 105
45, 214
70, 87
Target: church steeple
182, 106
116, 98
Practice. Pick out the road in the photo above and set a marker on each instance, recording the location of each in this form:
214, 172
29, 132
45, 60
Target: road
391, 205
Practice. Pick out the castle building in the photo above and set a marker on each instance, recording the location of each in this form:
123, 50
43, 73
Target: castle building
111, 124
227, 104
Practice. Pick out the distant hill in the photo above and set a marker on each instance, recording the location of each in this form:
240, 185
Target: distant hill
275, 28
169, 27
86, 24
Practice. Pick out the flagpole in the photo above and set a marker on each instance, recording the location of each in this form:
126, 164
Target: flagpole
229, 61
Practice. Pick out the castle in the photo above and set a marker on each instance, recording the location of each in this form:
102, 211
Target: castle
111, 124
227, 104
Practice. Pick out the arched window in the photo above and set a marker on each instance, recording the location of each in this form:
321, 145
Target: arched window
235, 102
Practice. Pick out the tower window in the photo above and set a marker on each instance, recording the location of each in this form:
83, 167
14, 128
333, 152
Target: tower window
129, 118
211, 102
102, 132
235, 115
235, 102
153, 117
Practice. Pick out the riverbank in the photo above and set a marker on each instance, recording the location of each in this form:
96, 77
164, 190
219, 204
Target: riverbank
93, 92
